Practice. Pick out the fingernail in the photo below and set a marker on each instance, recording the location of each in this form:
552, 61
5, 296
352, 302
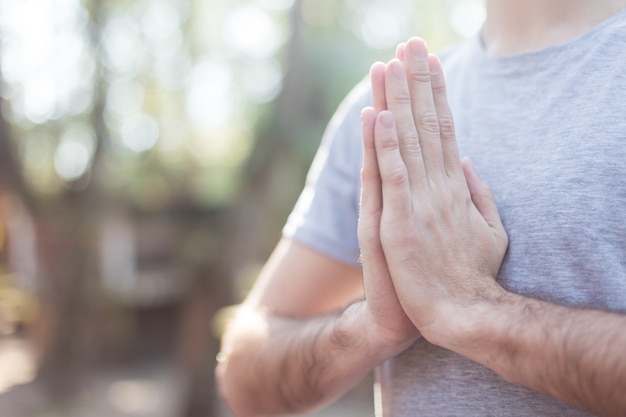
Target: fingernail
418, 48
397, 70
366, 115
386, 119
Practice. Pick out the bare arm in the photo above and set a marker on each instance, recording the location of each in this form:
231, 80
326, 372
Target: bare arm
295, 346
429, 213
574, 355
278, 353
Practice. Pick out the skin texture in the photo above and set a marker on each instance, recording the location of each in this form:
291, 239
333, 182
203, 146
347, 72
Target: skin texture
290, 349
434, 207
514, 26
423, 188
312, 327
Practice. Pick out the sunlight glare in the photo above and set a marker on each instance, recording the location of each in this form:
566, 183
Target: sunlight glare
262, 81
467, 17
75, 151
71, 160
124, 52
385, 24
135, 396
210, 96
42, 56
124, 98
277, 5
251, 31
139, 133
160, 21
17, 364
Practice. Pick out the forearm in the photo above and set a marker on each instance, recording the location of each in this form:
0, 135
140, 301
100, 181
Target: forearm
272, 365
575, 355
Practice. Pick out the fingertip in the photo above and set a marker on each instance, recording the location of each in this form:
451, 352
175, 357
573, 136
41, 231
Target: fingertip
367, 112
473, 179
396, 68
417, 47
386, 119
436, 73
435, 64
377, 68
468, 167
368, 116
400, 50
472, 167
377, 80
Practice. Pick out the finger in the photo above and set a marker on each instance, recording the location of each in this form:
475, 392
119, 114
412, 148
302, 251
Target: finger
400, 51
482, 196
372, 255
371, 197
399, 103
394, 175
450, 151
377, 79
423, 107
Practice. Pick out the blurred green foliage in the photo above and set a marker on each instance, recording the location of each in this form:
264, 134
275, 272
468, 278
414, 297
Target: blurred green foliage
184, 85
150, 151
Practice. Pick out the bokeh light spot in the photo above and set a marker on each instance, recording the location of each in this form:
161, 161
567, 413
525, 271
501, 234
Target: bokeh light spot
139, 133
71, 160
385, 24
467, 17
211, 96
277, 5
134, 396
262, 81
251, 31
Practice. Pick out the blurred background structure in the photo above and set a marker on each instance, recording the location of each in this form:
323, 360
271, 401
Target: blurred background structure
150, 151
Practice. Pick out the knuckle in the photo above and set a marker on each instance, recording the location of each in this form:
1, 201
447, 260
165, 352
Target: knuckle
445, 202
397, 176
438, 86
459, 190
429, 220
446, 126
367, 233
396, 234
402, 98
409, 136
413, 149
411, 143
388, 144
420, 76
429, 122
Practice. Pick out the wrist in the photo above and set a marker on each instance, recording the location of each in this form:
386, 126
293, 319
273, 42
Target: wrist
379, 342
465, 326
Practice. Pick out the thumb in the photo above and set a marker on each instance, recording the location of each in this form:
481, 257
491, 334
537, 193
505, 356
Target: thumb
482, 196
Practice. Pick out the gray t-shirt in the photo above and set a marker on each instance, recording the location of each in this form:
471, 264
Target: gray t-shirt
547, 131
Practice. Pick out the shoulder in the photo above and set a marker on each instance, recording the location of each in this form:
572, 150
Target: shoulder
341, 145
347, 118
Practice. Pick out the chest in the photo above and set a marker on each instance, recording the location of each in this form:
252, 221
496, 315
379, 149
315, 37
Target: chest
558, 171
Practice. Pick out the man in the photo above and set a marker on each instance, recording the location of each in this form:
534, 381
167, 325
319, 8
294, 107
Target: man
452, 324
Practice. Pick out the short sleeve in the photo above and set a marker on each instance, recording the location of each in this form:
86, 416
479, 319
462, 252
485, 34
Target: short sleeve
325, 216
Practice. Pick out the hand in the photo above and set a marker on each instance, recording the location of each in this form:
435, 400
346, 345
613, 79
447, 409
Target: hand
391, 328
440, 230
